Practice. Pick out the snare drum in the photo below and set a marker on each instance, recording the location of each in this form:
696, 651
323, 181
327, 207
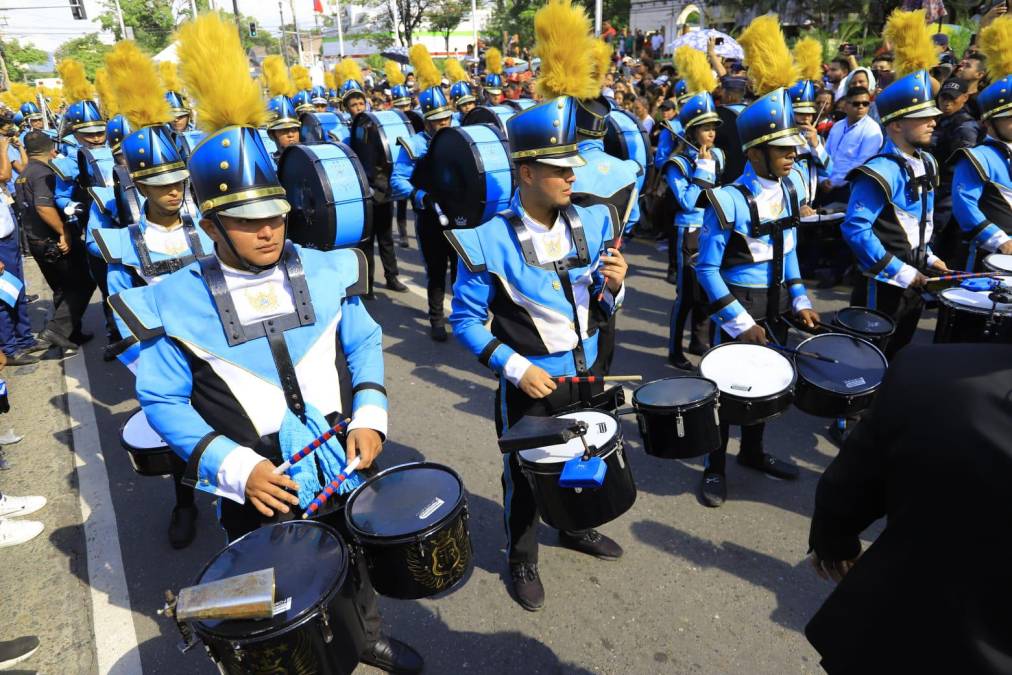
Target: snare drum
410, 522
323, 127
581, 508
94, 167
496, 115
469, 172
971, 316
998, 262
756, 383
329, 194
874, 326
149, 455
375, 137
626, 138
677, 417
316, 627
839, 389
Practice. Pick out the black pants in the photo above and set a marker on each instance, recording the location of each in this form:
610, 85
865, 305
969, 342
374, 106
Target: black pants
904, 305
70, 282
99, 272
755, 302
382, 234
689, 297
402, 219
184, 493
438, 256
520, 510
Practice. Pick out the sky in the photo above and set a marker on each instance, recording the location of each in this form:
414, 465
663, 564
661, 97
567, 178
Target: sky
48, 23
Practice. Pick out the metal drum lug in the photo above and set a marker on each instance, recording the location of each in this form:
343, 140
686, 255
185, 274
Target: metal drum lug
328, 634
577, 490
620, 456
680, 425
237, 651
716, 413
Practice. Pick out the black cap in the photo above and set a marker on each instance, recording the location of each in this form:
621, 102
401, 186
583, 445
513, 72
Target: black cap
38, 143
734, 83
940, 39
668, 105
954, 86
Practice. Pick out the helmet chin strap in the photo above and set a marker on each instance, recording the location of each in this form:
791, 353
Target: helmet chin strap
243, 263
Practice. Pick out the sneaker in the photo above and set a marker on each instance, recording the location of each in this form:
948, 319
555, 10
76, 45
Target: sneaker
713, 489
396, 285
10, 438
15, 651
14, 532
22, 358
770, 465
527, 588
12, 507
592, 543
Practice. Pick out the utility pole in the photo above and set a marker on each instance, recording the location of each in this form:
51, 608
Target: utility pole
340, 30
235, 11
119, 15
284, 47
193, 8
295, 24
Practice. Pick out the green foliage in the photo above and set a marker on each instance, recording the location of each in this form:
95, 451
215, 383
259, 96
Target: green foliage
152, 22
89, 50
444, 17
19, 55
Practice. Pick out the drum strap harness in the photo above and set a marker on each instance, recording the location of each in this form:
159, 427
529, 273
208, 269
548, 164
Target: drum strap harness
921, 185
169, 265
561, 269
775, 230
128, 200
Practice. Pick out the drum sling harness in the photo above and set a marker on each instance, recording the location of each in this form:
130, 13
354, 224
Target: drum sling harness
921, 185
169, 265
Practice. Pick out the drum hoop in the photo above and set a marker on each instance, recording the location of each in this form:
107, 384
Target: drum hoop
943, 301
616, 443
133, 448
858, 392
365, 538
652, 408
735, 397
882, 315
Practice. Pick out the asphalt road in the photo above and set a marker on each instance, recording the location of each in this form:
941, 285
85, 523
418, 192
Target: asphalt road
699, 590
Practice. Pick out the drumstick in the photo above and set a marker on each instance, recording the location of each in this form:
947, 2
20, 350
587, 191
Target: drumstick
798, 352
617, 244
597, 378
331, 488
960, 276
320, 440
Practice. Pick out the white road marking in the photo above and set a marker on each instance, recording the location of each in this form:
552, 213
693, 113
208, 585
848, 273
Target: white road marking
115, 636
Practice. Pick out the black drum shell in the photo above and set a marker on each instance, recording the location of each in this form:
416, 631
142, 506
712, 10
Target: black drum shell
963, 324
877, 339
745, 412
567, 509
375, 151
658, 427
821, 402
160, 461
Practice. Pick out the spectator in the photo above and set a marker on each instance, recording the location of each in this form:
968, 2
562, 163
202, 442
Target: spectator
838, 69
58, 252
825, 103
973, 69
641, 109
851, 142
956, 129
657, 44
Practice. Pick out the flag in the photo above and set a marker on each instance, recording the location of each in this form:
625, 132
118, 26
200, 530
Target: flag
318, 6
10, 288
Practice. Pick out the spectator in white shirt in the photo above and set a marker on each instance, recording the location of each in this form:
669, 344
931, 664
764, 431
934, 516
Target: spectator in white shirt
852, 141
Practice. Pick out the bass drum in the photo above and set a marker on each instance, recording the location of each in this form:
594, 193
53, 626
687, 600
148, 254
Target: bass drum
496, 115
469, 173
520, 104
316, 627
330, 197
417, 121
269, 143
375, 138
323, 127
626, 138
94, 167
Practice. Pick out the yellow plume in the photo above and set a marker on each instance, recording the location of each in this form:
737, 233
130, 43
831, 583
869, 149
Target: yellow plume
600, 55
808, 56
348, 69
563, 41
18, 93
913, 49
301, 76
769, 62
75, 85
493, 61
54, 96
329, 81
169, 74
695, 70
455, 72
394, 74
996, 44
142, 106
106, 100
276, 77
426, 72
215, 72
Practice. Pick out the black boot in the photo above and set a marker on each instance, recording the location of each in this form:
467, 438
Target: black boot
392, 656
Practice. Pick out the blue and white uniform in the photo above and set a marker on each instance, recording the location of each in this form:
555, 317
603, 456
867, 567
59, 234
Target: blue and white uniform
982, 197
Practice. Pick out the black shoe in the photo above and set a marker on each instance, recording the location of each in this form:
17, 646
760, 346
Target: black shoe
713, 489
395, 284
392, 656
16, 651
52, 337
770, 465
592, 543
80, 337
679, 361
22, 358
369, 296
183, 527
672, 278
31, 297
402, 242
39, 347
438, 332
527, 588
697, 348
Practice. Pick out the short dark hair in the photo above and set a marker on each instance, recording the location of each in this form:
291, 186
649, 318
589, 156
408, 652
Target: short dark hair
38, 143
858, 91
843, 62
883, 57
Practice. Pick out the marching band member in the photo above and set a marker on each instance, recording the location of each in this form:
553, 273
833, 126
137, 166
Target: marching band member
812, 156
303, 99
181, 113
748, 264
492, 84
349, 77
982, 182
461, 94
732, 104
401, 96
888, 222
250, 353
548, 295
283, 123
440, 258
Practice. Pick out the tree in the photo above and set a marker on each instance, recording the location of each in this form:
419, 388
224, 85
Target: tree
18, 56
89, 50
445, 16
512, 18
407, 15
151, 20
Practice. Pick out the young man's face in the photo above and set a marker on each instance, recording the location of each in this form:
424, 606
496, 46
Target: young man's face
970, 69
180, 123
285, 137
917, 130
168, 198
37, 123
950, 105
857, 107
258, 242
553, 185
835, 73
355, 105
668, 114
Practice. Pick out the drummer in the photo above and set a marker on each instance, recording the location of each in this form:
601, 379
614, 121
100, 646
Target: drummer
162, 241
231, 401
749, 270
492, 84
982, 181
283, 124
319, 98
440, 258
544, 325
403, 101
181, 113
461, 94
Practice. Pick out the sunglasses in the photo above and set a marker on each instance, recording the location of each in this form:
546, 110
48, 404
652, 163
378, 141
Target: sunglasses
860, 104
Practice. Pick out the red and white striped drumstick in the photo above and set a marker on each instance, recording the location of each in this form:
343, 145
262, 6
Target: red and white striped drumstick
320, 440
960, 276
596, 378
618, 246
331, 488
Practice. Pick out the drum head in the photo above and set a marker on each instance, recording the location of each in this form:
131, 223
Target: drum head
137, 433
309, 561
999, 262
404, 500
417, 121
746, 370
313, 130
860, 368
866, 321
602, 428
128, 199
625, 138
975, 301
494, 115
674, 392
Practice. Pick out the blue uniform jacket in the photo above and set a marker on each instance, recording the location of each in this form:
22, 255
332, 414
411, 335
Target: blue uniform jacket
531, 315
66, 177
817, 159
687, 181
729, 255
409, 152
982, 195
609, 179
192, 385
882, 225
